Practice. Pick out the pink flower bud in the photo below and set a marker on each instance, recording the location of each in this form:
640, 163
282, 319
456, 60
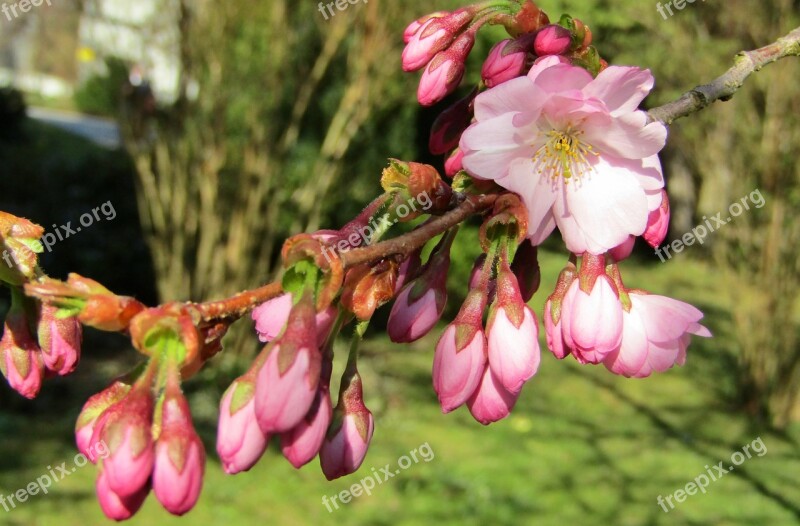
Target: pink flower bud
179, 456
491, 401
555, 340
506, 60
444, 73
592, 323
416, 311
434, 35
655, 335
271, 317
240, 441
346, 443
513, 335
304, 441
450, 124
115, 507
127, 433
552, 40
60, 340
623, 251
458, 365
287, 382
454, 163
91, 413
658, 223
20, 357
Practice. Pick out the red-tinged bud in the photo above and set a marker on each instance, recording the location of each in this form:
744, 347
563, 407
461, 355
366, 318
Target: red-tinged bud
658, 223
19, 245
368, 287
93, 304
421, 303
288, 380
450, 124
433, 36
552, 40
445, 72
90, 417
491, 401
113, 505
416, 189
409, 269
526, 269
508, 59
346, 443
415, 26
60, 340
240, 441
20, 357
552, 312
527, 20
179, 455
127, 433
623, 250
303, 442
513, 334
454, 163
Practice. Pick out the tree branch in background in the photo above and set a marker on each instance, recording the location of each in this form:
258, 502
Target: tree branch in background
725, 86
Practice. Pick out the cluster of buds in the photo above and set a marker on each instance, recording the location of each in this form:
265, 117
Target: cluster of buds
487, 368
39, 340
144, 424
593, 317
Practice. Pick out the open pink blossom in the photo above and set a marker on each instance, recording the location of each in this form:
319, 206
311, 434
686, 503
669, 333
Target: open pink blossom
655, 335
575, 148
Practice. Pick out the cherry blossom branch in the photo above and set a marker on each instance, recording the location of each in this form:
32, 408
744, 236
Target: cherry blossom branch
239, 304
725, 86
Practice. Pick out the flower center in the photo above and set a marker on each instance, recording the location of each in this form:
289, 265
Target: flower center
564, 154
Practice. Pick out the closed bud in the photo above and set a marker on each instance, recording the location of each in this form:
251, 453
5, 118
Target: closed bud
346, 443
552, 40
127, 433
240, 441
508, 59
528, 19
445, 72
180, 457
513, 335
91, 413
113, 505
658, 223
491, 401
287, 382
434, 35
454, 163
303, 442
60, 340
623, 250
20, 357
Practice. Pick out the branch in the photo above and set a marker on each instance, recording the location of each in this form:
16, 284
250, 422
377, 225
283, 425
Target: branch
725, 86
236, 306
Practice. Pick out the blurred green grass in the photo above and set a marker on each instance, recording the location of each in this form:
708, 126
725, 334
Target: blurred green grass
582, 446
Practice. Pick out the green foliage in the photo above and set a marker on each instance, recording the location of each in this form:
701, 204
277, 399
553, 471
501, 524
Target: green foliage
101, 93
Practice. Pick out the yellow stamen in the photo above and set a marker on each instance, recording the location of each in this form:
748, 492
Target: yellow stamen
564, 155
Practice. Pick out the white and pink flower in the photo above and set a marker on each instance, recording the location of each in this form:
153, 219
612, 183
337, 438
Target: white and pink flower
575, 148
